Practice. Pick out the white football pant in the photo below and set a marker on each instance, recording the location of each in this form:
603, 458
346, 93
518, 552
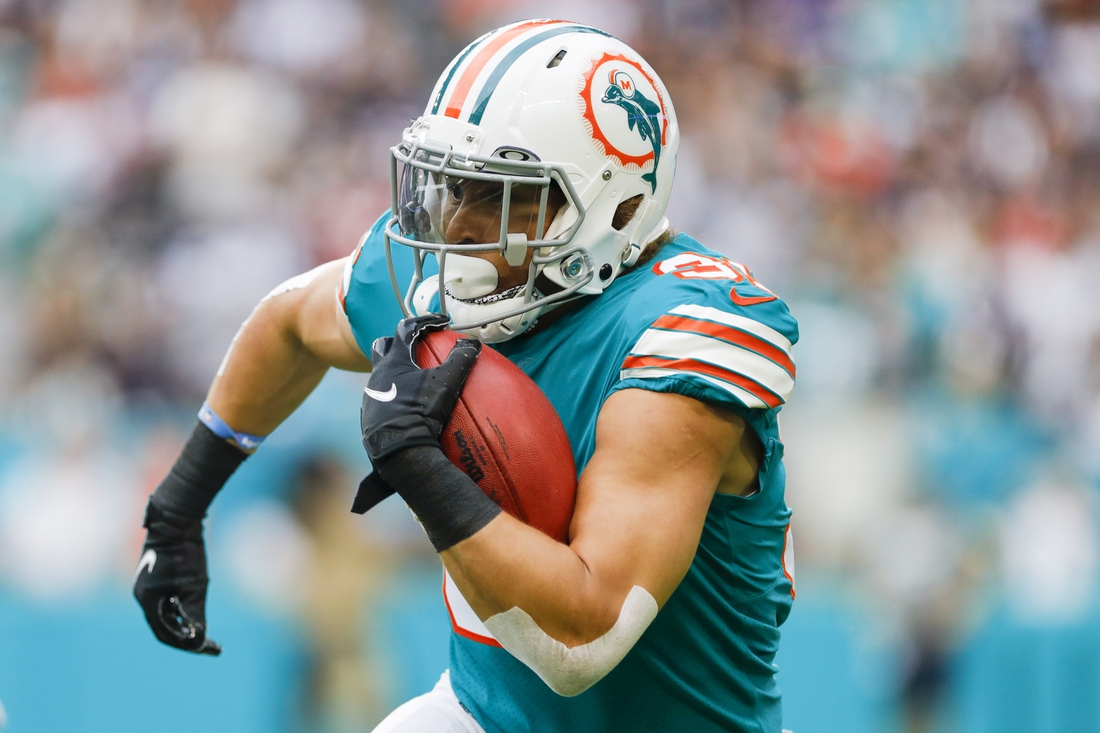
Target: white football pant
437, 711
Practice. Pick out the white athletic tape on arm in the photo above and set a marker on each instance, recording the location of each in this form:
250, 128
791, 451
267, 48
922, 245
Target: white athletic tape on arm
566, 671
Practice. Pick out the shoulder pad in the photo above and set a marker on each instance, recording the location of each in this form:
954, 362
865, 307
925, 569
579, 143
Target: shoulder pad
711, 321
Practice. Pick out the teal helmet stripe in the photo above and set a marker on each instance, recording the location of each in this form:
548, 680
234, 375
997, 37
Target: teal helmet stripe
506, 63
454, 68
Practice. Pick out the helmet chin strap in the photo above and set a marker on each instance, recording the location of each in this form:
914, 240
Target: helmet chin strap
497, 330
470, 279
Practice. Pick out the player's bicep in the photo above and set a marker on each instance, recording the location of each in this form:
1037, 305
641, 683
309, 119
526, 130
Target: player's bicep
323, 326
644, 495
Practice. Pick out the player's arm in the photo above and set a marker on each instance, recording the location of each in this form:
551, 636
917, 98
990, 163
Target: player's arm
570, 612
277, 358
283, 350
641, 503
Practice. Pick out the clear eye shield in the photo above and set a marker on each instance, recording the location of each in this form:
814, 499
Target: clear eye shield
450, 204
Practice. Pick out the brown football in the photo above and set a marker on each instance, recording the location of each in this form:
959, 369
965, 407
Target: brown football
506, 436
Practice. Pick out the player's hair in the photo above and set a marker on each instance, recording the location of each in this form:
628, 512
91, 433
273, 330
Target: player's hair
652, 248
624, 213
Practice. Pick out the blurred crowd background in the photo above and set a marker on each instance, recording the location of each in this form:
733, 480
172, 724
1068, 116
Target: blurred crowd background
920, 179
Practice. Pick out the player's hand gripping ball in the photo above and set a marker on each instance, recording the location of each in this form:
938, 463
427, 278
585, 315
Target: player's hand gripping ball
507, 437
497, 425
405, 406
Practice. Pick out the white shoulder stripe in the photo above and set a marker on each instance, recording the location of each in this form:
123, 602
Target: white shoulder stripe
747, 398
745, 324
687, 345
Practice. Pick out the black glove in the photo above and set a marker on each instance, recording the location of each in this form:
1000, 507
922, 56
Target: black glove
404, 411
406, 406
170, 584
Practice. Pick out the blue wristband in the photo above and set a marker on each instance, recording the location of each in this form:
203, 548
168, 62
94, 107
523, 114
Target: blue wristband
220, 428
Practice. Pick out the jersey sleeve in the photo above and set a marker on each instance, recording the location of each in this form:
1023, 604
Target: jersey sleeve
366, 292
703, 344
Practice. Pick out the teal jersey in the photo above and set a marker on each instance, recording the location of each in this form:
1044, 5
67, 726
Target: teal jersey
693, 323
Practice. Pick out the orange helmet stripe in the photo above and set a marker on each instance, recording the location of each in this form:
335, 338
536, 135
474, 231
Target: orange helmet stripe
466, 81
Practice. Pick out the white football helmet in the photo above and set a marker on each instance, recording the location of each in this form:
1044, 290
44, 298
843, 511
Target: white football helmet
532, 117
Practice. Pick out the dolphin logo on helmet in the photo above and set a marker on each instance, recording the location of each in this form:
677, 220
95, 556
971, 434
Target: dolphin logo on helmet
642, 114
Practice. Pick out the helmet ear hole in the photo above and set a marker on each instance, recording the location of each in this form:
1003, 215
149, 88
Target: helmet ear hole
624, 212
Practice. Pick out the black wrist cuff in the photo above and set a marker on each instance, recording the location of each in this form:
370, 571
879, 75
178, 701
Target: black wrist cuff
204, 465
448, 504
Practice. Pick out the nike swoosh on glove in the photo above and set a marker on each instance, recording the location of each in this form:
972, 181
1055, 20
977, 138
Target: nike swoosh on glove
424, 398
171, 580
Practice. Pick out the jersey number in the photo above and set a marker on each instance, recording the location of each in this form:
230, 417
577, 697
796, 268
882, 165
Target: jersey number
690, 266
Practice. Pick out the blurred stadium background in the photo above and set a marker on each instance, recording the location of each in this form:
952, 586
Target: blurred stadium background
920, 178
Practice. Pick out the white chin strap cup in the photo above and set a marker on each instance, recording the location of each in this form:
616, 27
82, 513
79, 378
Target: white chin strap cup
496, 330
471, 277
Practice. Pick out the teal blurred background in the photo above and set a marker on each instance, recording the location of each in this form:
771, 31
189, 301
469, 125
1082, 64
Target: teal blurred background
920, 179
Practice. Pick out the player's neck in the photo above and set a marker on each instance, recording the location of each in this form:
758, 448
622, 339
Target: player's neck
548, 319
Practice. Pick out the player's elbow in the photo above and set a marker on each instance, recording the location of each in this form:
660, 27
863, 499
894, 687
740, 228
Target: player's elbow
277, 316
301, 311
570, 670
584, 621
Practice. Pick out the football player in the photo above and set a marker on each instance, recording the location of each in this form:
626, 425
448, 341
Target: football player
528, 213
